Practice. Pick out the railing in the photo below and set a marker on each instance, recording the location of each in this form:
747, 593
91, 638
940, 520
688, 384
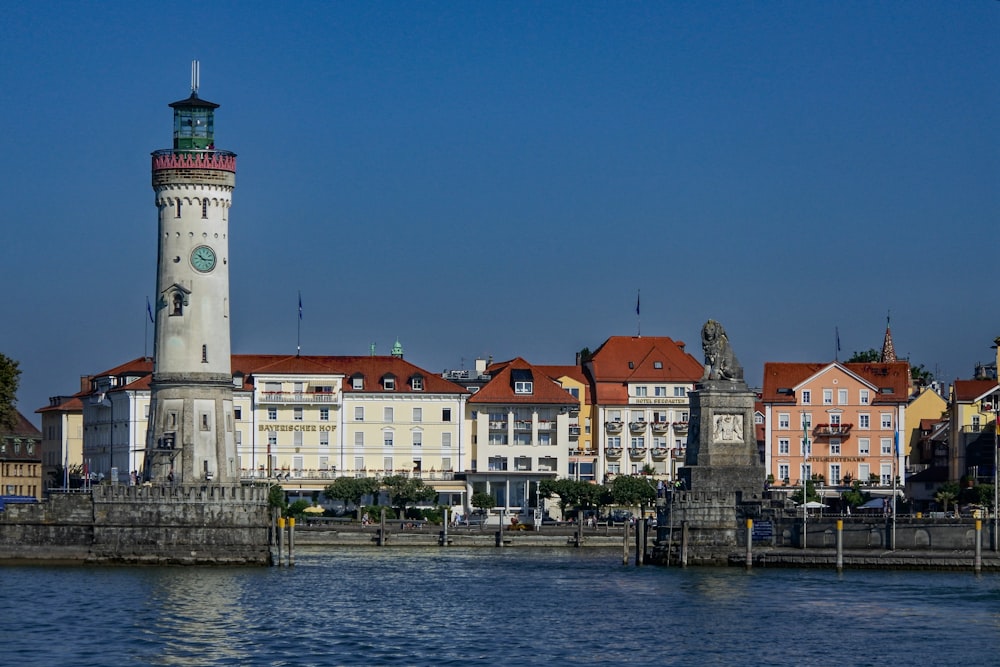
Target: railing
661, 427
680, 427
168, 158
498, 426
613, 452
314, 475
659, 452
614, 427
637, 427
637, 452
297, 397
522, 425
832, 429
574, 431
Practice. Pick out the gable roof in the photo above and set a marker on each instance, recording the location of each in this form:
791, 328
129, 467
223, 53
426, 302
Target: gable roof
969, 391
500, 388
781, 379
624, 359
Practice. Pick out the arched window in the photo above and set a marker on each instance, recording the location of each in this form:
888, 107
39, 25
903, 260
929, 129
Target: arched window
204, 208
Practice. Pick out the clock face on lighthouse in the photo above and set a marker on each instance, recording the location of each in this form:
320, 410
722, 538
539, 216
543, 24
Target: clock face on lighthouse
203, 259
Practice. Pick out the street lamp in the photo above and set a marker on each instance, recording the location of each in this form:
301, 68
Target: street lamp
805, 473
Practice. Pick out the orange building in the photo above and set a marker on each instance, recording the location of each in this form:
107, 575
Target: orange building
837, 422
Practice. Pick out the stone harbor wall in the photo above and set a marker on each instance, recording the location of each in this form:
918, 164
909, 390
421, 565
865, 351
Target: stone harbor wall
142, 524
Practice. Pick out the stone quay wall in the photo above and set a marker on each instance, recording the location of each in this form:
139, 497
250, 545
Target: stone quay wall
225, 525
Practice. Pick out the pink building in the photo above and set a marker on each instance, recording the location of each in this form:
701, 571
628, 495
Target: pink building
837, 420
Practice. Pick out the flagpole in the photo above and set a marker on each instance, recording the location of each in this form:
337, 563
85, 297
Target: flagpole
638, 318
298, 335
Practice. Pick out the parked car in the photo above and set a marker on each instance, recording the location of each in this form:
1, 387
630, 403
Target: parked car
618, 516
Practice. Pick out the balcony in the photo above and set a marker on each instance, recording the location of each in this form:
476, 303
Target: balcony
544, 425
680, 427
574, 430
832, 430
298, 397
614, 427
637, 452
169, 158
659, 452
498, 426
613, 452
660, 427
637, 427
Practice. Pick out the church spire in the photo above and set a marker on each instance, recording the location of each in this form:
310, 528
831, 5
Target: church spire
888, 350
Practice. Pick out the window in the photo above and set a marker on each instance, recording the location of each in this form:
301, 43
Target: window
418, 414
863, 472
498, 437
446, 463
783, 472
359, 413
680, 392
976, 424
805, 447
835, 473
418, 439
660, 392
446, 414
523, 387
545, 439
834, 446
272, 438
864, 421
324, 414
387, 438
389, 383
359, 463
806, 420
358, 382
886, 446
640, 392
522, 438
387, 463
614, 468
574, 392
828, 397
835, 419
638, 442
615, 441
806, 396
498, 463
784, 420
359, 439
387, 415
638, 415
784, 446
841, 397
614, 415
297, 438
324, 438
864, 447
886, 420
657, 365
272, 414
297, 414
885, 478
204, 354
237, 411
863, 397
446, 439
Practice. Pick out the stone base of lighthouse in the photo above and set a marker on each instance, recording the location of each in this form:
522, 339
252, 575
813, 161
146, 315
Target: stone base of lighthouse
192, 439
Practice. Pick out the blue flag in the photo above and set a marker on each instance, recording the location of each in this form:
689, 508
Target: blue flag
149, 311
637, 296
300, 305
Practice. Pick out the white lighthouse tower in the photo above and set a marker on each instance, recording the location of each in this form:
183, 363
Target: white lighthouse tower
191, 438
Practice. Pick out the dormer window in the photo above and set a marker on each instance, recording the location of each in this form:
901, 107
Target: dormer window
522, 381
657, 365
358, 382
389, 383
417, 383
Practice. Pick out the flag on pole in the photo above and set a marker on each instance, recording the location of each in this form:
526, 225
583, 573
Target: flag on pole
837, 329
300, 305
149, 310
637, 296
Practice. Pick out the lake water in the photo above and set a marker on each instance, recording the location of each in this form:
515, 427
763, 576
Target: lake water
516, 606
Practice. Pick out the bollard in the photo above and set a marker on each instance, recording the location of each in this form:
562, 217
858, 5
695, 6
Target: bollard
840, 545
381, 530
749, 543
684, 543
625, 544
977, 565
291, 541
281, 540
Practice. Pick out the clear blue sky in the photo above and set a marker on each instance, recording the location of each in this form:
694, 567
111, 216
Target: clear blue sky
500, 179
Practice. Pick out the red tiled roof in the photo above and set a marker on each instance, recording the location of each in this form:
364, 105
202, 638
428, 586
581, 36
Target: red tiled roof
69, 404
24, 428
973, 390
574, 372
610, 369
500, 389
788, 375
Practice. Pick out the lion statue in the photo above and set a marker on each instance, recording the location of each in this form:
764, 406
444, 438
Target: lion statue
720, 362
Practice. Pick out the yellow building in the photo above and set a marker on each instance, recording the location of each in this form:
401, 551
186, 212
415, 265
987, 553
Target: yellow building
925, 407
62, 437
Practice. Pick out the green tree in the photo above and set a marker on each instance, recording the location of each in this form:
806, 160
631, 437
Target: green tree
854, 497
276, 497
573, 493
405, 490
297, 508
947, 494
632, 490
352, 490
10, 376
867, 356
811, 495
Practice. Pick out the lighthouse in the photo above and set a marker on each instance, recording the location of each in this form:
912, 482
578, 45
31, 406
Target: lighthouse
190, 433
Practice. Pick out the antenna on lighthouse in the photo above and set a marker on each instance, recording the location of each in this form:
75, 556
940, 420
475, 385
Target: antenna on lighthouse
195, 76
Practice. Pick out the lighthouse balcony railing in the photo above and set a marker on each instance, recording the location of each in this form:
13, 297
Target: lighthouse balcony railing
178, 158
